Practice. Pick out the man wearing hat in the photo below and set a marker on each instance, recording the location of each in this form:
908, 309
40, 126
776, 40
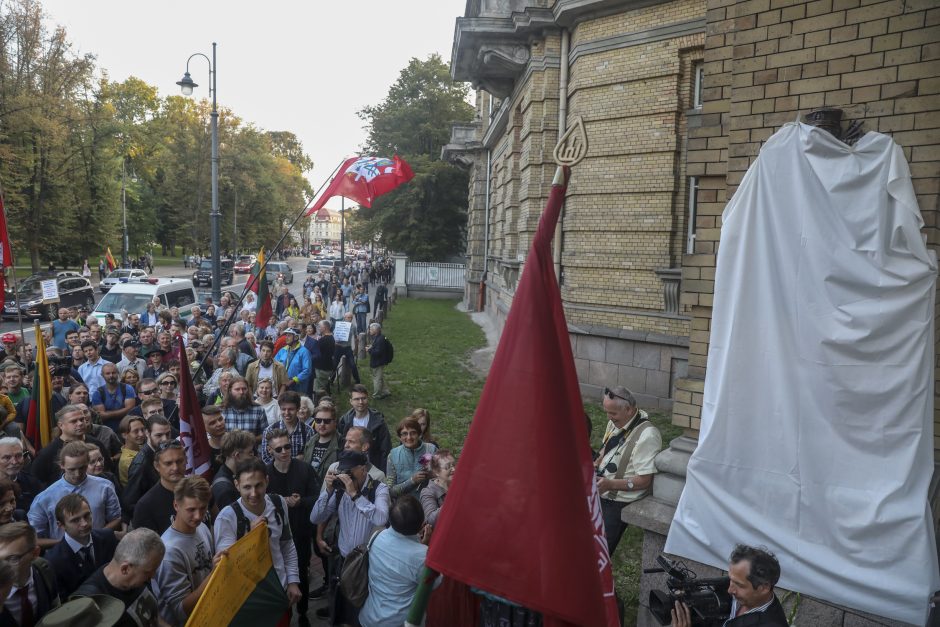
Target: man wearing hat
130, 357
95, 611
111, 349
156, 367
297, 362
361, 504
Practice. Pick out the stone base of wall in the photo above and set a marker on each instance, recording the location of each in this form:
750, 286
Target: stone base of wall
471, 295
435, 292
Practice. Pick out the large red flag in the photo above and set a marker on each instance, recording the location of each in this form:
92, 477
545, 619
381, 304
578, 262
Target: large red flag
523, 518
6, 253
364, 179
192, 428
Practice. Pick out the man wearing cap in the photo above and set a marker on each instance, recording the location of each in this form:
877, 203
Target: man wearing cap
111, 349
62, 325
130, 357
296, 361
114, 399
361, 505
155, 359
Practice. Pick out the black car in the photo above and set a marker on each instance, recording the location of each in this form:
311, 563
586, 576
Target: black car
74, 291
204, 273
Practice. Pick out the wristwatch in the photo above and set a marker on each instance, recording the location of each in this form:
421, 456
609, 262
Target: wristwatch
355, 497
629, 484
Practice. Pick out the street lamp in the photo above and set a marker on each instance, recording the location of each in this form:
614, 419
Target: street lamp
186, 85
124, 242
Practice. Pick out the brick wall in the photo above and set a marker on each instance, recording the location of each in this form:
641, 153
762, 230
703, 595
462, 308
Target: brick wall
766, 62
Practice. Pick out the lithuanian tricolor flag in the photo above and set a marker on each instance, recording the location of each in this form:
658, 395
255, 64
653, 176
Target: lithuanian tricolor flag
243, 590
109, 260
258, 283
39, 421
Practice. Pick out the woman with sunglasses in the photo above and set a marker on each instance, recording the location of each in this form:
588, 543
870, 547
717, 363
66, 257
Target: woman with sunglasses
406, 470
166, 386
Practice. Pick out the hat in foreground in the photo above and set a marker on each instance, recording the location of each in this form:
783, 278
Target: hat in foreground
99, 610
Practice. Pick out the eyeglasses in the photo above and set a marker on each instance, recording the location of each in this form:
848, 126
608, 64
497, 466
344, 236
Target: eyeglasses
13, 560
324, 421
612, 396
281, 449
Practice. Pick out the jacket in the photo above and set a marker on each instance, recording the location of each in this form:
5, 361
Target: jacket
47, 594
63, 560
278, 374
378, 352
332, 452
381, 439
298, 364
402, 463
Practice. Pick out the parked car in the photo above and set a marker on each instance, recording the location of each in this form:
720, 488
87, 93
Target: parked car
245, 263
275, 268
331, 264
204, 273
121, 275
134, 296
312, 266
74, 291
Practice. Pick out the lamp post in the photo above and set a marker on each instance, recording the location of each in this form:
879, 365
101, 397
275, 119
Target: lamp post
124, 242
342, 231
186, 84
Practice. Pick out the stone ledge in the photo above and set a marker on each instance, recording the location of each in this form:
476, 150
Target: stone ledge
650, 514
628, 334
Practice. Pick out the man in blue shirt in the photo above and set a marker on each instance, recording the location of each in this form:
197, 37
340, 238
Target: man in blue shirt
62, 325
90, 371
99, 492
297, 362
114, 399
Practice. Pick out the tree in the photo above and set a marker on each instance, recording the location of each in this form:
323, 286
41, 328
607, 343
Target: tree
426, 218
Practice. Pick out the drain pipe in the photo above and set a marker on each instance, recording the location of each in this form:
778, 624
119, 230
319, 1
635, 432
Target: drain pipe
562, 127
486, 229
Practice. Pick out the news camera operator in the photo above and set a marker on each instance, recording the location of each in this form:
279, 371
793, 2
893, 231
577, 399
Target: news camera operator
752, 575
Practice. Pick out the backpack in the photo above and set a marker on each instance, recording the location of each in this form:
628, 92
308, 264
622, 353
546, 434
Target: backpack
242, 525
354, 580
389, 350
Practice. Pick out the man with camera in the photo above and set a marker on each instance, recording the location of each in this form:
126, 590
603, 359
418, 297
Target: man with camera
624, 465
752, 574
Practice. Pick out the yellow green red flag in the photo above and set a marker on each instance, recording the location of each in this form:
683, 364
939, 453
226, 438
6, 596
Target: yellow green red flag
39, 420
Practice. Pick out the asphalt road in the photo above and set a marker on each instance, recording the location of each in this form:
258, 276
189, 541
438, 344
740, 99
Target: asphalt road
297, 264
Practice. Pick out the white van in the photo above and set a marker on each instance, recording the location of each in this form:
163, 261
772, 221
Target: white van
134, 296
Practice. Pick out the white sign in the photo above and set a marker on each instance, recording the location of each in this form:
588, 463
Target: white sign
50, 291
341, 332
433, 274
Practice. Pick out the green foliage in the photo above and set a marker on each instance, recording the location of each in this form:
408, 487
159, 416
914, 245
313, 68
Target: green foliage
426, 218
67, 139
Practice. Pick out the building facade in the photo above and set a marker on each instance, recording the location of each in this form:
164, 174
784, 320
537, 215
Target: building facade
677, 97
630, 71
325, 227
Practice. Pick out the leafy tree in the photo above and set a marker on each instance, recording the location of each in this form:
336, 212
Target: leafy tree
426, 218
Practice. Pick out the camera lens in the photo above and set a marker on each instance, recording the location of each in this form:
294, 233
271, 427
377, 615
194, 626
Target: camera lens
338, 485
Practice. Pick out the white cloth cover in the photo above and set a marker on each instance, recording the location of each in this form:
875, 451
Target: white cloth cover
817, 423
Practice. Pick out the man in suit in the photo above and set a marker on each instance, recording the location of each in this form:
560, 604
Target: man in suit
34, 591
82, 550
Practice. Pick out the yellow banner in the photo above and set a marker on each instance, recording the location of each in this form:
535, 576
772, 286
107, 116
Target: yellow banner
246, 563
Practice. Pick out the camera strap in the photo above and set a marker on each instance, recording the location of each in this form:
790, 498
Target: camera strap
628, 453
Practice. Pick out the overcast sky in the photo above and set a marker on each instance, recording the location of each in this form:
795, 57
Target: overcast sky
304, 66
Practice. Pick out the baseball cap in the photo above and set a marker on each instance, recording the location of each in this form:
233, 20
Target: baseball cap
351, 459
8, 338
129, 343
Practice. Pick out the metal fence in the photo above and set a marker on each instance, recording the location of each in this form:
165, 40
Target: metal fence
429, 274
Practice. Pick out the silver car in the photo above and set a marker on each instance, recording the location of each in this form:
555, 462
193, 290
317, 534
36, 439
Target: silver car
121, 275
275, 268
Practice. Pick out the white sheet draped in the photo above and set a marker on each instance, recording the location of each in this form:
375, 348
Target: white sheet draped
817, 424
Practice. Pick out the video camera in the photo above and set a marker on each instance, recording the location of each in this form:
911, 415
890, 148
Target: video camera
707, 599
60, 366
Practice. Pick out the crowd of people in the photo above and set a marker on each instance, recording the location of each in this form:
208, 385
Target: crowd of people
103, 521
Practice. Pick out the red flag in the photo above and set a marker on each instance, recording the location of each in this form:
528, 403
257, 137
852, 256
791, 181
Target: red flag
523, 521
364, 179
258, 284
192, 428
6, 253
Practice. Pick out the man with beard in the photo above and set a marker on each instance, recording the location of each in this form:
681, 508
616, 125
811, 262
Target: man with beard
266, 366
241, 412
114, 399
155, 509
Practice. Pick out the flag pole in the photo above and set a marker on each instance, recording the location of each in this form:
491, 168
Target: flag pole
228, 322
419, 605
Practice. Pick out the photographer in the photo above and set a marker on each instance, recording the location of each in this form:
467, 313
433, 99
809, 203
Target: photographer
624, 465
361, 504
752, 573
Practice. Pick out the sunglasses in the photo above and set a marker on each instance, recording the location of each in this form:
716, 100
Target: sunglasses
169, 444
281, 449
151, 391
324, 421
170, 383
612, 396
